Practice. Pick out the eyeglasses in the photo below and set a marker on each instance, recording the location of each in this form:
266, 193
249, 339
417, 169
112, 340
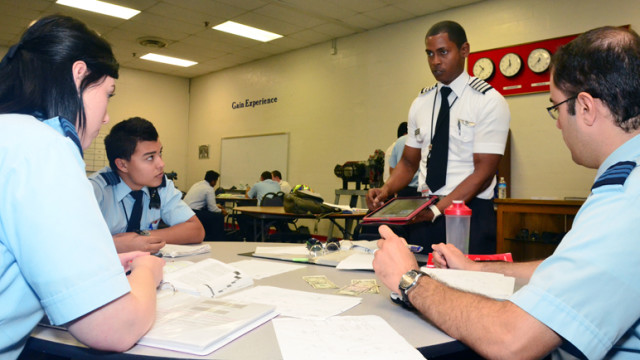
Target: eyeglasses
553, 110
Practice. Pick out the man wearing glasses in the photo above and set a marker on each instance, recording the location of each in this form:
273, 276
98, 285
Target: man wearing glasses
583, 299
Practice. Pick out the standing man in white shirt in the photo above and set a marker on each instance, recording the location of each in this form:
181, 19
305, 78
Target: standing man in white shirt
201, 198
471, 141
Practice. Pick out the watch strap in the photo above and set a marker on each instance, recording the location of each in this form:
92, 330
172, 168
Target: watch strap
436, 212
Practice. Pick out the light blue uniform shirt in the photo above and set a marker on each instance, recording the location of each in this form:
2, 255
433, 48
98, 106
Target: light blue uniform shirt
116, 204
396, 155
261, 188
588, 291
56, 253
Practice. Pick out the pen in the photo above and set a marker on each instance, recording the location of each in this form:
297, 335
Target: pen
415, 248
300, 259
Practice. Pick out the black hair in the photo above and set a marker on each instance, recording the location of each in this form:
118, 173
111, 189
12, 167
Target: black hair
265, 175
604, 62
37, 74
124, 137
211, 176
402, 129
456, 32
276, 173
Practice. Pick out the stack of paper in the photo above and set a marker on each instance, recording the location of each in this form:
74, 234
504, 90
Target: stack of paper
172, 250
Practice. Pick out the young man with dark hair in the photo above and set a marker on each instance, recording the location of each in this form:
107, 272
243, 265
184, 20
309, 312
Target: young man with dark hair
264, 186
201, 198
457, 134
135, 195
582, 301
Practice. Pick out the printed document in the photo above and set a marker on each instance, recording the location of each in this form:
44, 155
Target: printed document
342, 338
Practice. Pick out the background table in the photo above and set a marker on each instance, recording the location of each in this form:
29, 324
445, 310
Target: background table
266, 213
261, 343
540, 216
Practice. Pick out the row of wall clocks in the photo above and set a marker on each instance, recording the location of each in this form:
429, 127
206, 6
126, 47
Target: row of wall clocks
511, 64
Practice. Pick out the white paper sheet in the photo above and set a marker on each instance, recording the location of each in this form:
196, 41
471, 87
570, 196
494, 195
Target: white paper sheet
295, 303
342, 337
357, 262
262, 269
293, 250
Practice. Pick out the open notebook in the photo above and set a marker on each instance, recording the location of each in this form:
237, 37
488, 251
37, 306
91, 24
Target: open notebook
209, 277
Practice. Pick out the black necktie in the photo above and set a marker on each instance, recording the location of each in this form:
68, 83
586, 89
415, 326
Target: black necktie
136, 213
439, 154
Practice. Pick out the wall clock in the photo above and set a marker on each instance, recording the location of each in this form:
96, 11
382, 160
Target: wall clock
510, 64
539, 60
484, 68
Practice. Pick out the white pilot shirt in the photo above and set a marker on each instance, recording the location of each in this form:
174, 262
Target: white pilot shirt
116, 204
479, 123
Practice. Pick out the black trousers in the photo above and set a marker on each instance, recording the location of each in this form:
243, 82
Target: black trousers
213, 224
482, 239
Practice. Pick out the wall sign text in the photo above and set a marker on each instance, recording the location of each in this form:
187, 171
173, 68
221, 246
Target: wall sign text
253, 103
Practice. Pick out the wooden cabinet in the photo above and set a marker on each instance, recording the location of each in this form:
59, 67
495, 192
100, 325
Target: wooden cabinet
544, 217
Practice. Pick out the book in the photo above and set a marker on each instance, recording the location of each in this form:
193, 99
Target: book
200, 325
173, 251
208, 278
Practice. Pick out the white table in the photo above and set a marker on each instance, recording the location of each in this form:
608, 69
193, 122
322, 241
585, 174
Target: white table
261, 343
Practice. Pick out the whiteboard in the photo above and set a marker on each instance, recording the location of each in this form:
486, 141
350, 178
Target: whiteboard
244, 158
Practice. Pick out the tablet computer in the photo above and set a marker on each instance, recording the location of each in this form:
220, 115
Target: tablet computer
400, 210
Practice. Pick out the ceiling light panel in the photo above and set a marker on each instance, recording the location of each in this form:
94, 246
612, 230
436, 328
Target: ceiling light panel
101, 7
246, 31
168, 60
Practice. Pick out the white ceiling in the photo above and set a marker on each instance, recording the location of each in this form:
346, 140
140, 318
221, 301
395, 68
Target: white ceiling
181, 23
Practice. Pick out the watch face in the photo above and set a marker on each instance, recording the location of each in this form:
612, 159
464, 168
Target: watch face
510, 64
407, 279
483, 69
539, 60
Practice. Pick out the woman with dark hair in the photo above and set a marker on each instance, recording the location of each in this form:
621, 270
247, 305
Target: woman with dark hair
56, 253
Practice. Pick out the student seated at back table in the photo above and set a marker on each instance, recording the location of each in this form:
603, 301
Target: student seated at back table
201, 198
264, 186
56, 253
135, 195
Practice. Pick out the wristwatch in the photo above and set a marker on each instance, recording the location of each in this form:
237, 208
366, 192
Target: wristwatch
408, 281
143, 232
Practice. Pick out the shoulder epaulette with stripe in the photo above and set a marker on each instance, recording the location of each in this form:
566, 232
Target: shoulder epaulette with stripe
110, 177
480, 86
427, 89
616, 174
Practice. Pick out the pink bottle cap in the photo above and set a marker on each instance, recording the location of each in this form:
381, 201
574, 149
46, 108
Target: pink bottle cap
458, 208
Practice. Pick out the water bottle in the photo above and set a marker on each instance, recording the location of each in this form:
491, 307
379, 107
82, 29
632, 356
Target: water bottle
502, 189
458, 223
